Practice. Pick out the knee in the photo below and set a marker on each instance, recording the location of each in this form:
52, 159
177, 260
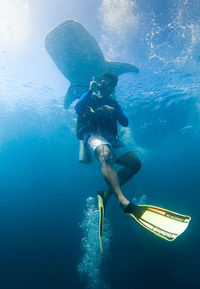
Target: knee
108, 157
104, 155
136, 166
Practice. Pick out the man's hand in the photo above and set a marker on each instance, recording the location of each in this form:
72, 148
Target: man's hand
93, 85
106, 108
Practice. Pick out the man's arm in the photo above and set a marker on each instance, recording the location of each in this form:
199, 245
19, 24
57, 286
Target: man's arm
83, 102
120, 116
86, 97
116, 111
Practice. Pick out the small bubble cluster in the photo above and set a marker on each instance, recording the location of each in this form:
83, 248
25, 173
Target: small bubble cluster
89, 268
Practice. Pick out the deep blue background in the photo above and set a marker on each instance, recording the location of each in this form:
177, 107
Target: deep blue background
43, 187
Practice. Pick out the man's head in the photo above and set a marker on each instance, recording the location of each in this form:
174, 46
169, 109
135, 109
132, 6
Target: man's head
108, 82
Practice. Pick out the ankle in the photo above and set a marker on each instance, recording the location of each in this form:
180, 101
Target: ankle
123, 203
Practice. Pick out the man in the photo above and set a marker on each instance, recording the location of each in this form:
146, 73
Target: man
98, 114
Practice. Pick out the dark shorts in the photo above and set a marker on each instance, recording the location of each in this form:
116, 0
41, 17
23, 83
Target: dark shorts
93, 140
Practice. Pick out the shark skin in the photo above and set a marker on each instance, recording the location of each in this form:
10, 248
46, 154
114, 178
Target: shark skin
79, 57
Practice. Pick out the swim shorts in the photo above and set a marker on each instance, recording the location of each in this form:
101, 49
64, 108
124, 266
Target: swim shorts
93, 140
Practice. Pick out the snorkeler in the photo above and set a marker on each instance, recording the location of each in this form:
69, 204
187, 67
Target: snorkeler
98, 116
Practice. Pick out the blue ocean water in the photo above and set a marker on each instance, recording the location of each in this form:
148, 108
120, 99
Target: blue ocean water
48, 210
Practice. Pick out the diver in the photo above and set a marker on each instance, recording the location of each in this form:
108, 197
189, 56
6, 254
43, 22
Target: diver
98, 116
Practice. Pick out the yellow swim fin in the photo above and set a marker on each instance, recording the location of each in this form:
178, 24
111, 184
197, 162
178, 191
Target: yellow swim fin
101, 218
163, 223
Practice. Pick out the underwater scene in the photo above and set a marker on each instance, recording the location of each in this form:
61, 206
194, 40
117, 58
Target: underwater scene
49, 216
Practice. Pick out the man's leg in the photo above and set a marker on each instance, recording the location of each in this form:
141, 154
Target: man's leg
131, 166
105, 157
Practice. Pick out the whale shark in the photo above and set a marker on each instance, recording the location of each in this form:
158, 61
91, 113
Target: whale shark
79, 57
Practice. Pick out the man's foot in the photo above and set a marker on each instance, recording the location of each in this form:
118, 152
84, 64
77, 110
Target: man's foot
129, 208
123, 203
134, 209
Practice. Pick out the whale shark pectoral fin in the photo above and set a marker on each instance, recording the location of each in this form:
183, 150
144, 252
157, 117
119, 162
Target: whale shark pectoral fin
76, 90
119, 67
